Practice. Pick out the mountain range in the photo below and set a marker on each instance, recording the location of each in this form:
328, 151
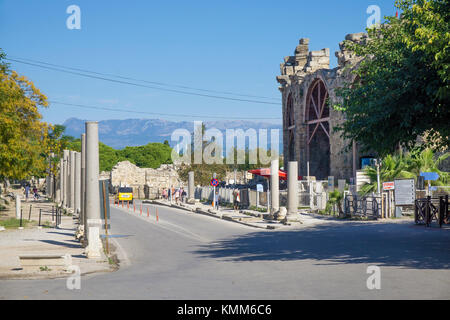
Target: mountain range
136, 132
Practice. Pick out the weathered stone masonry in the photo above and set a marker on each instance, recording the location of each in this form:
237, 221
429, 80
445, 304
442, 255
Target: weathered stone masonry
308, 92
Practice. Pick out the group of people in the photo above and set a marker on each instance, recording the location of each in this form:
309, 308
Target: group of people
34, 190
180, 195
236, 199
177, 194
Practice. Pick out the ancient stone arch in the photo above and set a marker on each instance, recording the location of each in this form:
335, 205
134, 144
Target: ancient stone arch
308, 88
317, 117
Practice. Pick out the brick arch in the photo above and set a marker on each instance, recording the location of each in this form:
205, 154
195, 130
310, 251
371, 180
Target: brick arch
317, 119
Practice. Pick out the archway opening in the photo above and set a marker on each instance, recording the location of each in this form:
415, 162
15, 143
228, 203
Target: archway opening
318, 130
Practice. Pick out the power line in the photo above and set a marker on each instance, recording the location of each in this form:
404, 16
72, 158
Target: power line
145, 81
141, 85
156, 113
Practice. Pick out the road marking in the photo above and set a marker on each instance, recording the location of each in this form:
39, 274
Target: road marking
186, 233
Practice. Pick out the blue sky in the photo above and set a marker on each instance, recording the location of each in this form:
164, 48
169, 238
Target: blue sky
234, 46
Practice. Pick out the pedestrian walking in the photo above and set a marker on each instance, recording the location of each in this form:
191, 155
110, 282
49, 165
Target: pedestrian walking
236, 198
35, 193
177, 195
27, 191
216, 200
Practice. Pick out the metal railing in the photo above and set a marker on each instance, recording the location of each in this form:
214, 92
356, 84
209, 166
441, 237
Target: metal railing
362, 206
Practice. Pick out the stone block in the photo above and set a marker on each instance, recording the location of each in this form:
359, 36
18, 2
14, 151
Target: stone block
304, 41
301, 49
356, 37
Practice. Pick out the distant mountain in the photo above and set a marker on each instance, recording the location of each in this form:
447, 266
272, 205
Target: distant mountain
136, 132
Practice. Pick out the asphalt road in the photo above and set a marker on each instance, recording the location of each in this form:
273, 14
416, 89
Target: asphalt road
190, 256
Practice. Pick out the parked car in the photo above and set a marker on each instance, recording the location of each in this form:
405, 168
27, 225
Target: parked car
124, 194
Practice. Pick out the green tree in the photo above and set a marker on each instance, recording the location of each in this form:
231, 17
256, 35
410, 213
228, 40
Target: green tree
392, 167
427, 161
23, 136
402, 84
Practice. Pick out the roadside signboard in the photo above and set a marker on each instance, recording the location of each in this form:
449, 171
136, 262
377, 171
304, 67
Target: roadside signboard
330, 183
430, 176
405, 192
389, 185
214, 182
259, 188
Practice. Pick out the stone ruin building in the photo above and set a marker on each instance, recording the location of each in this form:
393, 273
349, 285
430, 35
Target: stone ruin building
308, 86
147, 183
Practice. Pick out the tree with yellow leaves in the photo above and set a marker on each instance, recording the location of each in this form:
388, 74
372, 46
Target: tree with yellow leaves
23, 136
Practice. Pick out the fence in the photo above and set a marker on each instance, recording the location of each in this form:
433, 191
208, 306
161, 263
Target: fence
362, 206
311, 196
429, 209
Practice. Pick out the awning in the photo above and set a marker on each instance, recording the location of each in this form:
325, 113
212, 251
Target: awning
265, 172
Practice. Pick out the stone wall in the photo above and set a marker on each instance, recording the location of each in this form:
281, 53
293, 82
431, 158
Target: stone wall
300, 74
146, 182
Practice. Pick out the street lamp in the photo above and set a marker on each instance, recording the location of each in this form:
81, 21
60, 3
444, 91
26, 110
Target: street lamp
377, 163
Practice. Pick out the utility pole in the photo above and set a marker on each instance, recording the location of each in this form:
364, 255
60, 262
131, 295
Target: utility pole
94, 221
378, 164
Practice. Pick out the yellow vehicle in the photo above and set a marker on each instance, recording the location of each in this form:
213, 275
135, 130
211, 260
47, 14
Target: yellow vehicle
124, 194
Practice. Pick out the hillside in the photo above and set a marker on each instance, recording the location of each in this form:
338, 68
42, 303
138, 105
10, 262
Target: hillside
137, 132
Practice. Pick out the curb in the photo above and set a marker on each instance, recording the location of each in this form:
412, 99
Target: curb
210, 214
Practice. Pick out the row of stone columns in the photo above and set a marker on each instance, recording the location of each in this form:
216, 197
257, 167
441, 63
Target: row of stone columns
79, 188
291, 214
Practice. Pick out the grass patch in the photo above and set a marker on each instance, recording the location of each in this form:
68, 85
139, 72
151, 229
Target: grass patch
13, 223
45, 269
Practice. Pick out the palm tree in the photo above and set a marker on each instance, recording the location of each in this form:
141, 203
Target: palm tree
392, 167
425, 161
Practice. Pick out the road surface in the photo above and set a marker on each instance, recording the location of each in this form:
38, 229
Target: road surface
191, 256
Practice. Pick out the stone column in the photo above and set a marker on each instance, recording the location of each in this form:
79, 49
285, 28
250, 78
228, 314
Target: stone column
94, 221
72, 180
77, 182
191, 187
274, 188
83, 183
18, 206
60, 186
66, 178
292, 209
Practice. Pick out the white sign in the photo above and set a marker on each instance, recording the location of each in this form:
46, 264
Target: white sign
259, 188
405, 192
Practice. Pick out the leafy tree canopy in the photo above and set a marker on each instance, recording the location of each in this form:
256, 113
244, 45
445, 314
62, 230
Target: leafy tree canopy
402, 87
23, 136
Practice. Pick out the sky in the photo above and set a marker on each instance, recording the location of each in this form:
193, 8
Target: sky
220, 46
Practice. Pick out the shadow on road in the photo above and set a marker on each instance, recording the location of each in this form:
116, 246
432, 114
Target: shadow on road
389, 244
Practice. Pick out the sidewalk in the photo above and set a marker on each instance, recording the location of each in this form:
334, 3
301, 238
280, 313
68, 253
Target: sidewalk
44, 241
249, 218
